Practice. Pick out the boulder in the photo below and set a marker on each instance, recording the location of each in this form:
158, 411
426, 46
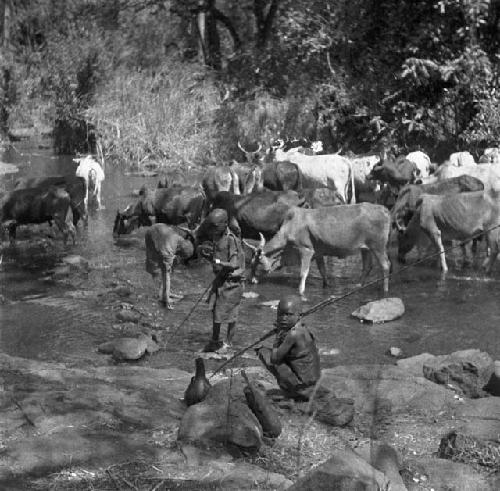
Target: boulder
480, 418
443, 474
374, 387
344, 470
468, 449
415, 364
129, 349
333, 411
384, 310
385, 459
223, 417
467, 371
221, 422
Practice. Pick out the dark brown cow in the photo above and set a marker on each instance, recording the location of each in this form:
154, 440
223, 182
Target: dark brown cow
37, 205
173, 206
331, 231
74, 185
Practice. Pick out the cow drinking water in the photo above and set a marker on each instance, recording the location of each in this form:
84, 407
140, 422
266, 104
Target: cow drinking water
330, 231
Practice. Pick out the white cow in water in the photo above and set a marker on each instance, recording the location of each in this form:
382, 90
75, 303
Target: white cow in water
422, 161
92, 172
491, 156
461, 159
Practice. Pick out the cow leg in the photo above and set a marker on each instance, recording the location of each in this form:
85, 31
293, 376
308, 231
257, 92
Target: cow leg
367, 264
493, 246
320, 261
12, 231
306, 256
435, 235
99, 204
385, 264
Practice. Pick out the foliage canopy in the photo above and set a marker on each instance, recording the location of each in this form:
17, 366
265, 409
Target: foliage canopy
184, 80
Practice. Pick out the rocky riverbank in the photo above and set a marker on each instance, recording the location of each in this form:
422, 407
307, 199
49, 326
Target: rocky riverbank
81, 421
72, 428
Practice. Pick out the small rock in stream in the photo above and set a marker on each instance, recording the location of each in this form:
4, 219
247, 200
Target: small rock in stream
128, 316
384, 310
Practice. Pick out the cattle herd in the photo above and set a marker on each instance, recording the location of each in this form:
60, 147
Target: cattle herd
292, 198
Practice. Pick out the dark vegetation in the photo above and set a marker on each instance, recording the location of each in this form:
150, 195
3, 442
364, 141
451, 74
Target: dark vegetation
181, 81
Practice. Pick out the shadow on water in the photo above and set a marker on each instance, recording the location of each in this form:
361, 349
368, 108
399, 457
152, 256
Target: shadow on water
460, 313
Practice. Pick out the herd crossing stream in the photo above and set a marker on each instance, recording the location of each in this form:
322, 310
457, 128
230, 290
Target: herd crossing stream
65, 321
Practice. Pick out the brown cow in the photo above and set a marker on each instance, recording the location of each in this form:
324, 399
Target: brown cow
330, 231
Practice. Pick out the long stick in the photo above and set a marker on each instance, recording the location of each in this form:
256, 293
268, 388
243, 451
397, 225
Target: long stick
188, 314
241, 351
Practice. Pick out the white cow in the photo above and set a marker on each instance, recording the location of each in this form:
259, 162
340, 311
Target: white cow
330, 171
362, 167
461, 159
422, 161
92, 172
488, 174
491, 155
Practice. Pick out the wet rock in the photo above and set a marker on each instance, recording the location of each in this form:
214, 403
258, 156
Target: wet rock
8, 168
127, 315
250, 295
384, 310
222, 417
129, 349
467, 371
385, 459
395, 351
343, 470
445, 474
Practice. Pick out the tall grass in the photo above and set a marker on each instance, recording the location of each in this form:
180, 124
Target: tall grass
179, 117
167, 117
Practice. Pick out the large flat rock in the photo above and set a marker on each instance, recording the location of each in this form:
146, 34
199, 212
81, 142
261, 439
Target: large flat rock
393, 387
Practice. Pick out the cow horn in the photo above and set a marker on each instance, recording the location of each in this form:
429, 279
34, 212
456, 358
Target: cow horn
250, 246
262, 241
186, 230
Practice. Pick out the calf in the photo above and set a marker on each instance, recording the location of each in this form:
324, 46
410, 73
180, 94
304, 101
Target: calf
35, 205
455, 217
163, 244
330, 231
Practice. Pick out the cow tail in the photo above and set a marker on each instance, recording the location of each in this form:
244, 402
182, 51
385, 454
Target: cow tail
353, 197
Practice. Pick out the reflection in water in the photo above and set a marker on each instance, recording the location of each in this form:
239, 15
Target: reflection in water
441, 316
